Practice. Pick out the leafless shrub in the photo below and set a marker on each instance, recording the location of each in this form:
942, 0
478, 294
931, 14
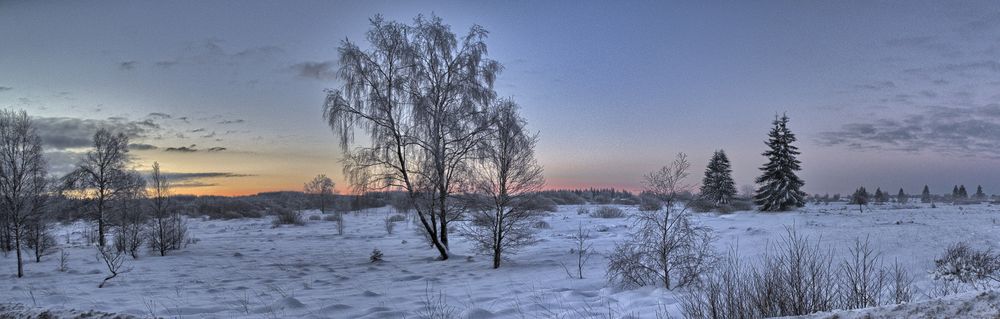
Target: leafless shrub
863, 277
288, 217
582, 210
608, 212
315, 217
113, 259
435, 306
667, 248
63, 261
582, 251
796, 277
963, 264
901, 284
167, 229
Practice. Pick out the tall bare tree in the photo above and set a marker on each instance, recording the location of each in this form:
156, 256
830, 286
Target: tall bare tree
507, 174
419, 94
321, 187
101, 175
22, 175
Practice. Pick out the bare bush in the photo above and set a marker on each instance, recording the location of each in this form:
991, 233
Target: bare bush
863, 277
608, 212
288, 217
963, 264
113, 259
582, 251
667, 248
582, 210
796, 277
63, 261
167, 229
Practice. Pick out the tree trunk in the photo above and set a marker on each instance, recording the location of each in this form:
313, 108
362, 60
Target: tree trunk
17, 247
496, 257
100, 224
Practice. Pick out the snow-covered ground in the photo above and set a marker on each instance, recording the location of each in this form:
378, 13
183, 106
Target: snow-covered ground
246, 268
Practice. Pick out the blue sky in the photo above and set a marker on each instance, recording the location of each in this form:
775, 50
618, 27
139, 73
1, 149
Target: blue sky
890, 94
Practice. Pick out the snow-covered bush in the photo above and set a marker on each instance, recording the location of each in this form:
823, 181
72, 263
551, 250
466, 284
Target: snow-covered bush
288, 217
582, 210
608, 212
964, 264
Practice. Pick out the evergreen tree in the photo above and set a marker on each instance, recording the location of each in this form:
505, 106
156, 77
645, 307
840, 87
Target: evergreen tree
718, 186
879, 196
901, 197
954, 192
780, 188
979, 192
860, 198
962, 193
925, 196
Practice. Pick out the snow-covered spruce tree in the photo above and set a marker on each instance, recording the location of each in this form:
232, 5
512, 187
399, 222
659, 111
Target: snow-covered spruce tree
979, 192
925, 196
962, 193
901, 197
780, 188
717, 186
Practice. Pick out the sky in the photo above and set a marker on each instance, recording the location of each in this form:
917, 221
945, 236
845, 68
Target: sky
227, 95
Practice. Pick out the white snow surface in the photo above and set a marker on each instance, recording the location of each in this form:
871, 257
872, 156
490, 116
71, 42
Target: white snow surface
247, 268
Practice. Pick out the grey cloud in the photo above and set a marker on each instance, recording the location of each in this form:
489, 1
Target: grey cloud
315, 70
972, 132
142, 147
182, 149
66, 132
160, 115
128, 65
236, 121
5, 88
216, 149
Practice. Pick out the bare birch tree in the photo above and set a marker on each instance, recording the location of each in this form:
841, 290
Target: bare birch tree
507, 174
167, 229
419, 95
98, 177
22, 176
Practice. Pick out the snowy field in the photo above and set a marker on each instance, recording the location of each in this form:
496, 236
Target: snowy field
247, 268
